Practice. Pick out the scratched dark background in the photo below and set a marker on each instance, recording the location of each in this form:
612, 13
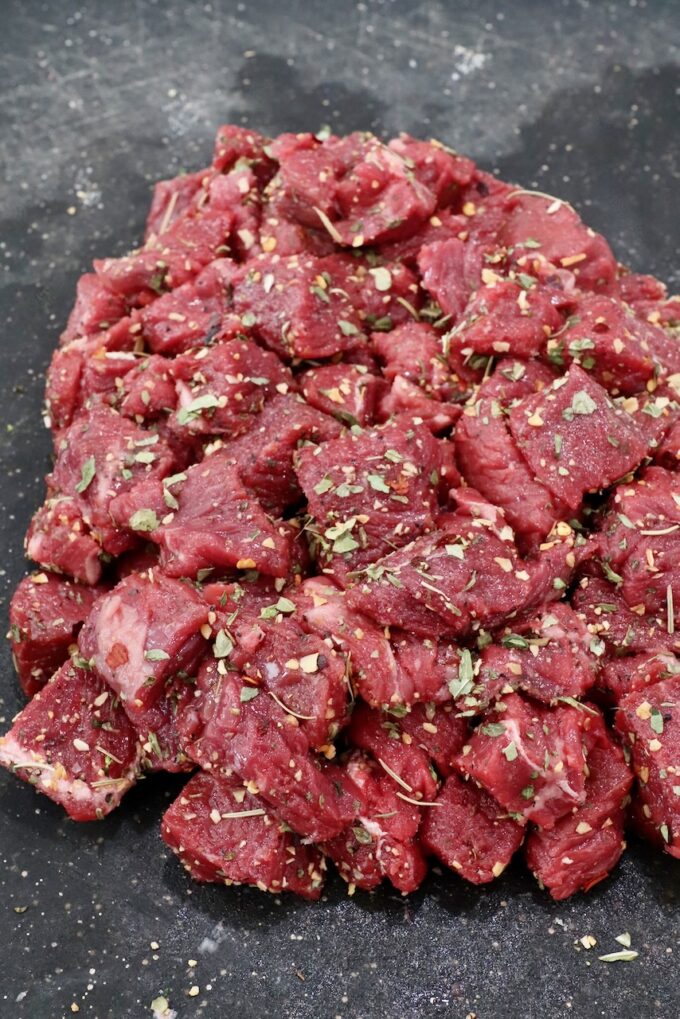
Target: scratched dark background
99, 100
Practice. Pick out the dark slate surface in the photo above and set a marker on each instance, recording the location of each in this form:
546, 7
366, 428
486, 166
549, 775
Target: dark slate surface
100, 99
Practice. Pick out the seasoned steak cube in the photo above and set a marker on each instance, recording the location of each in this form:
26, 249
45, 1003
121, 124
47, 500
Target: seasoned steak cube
97, 307
649, 722
384, 293
573, 437
204, 518
558, 235
369, 493
548, 657
641, 542
59, 539
159, 730
408, 766
622, 351
470, 832
425, 667
180, 320
222, 833
436, 729
623, 675
507, 317
447, 275
101, 457
45, 615
295, 307
221, 389
264, 455
348, 392
364, 190
490, 460
441, 170
148, 390
298, 669
172, 199
530, 758
584, 846
624, 632
380, 843
74, 743
142, 632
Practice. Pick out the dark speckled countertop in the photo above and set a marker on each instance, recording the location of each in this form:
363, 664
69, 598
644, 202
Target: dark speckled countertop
99, 100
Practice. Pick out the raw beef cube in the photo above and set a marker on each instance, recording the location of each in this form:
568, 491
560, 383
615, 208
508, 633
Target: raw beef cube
549, 657
234, 144
45, 615
180, 320
298, 669
583, 847
641, 541
158, 727
101, 457
97, 307
221, 389
149, 389
512, 380
103, 375
620, 350
425, 668
436, 729
223, 833
608, 618
62, 389
168, 261
469, 832
142, 632
446, 275
172, 199
204, 518
407, 765
530, 758
380, 843
507, 317
409, 400
318, 801
490, 461
74, 743
385, 294
264, 455
556, 232
59, 539
369, 493
294, 305
649, 722
348, 392
360, 190
624, 675
441, 170
573, 437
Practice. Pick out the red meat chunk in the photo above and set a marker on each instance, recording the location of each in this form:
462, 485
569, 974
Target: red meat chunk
222, 833
142, 632
620, 350
101, 457
583, 847
364, 191
380, 844
441, 170
203, 518
97, 307
573, 437
45, 615
512, 380
641, 542
378, 733
507, 317
609, 619
649, 722
370, 492
158, 727
172, 199
221, 389
149, 389
181, 320
436, 729
556, 232
74, 743
348, 392
490, 461
623, 675
298, 669
530, 758
59, 539
235, 144
168, 261
469, 832
549, 657
295, 307
447, 275
264, 455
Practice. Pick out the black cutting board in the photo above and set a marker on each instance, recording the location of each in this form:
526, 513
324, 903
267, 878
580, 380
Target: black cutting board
99, 100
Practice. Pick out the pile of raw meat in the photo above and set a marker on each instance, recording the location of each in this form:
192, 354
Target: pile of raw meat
363, 510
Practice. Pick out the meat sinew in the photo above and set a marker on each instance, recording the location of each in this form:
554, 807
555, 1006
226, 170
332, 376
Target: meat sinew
365, 478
